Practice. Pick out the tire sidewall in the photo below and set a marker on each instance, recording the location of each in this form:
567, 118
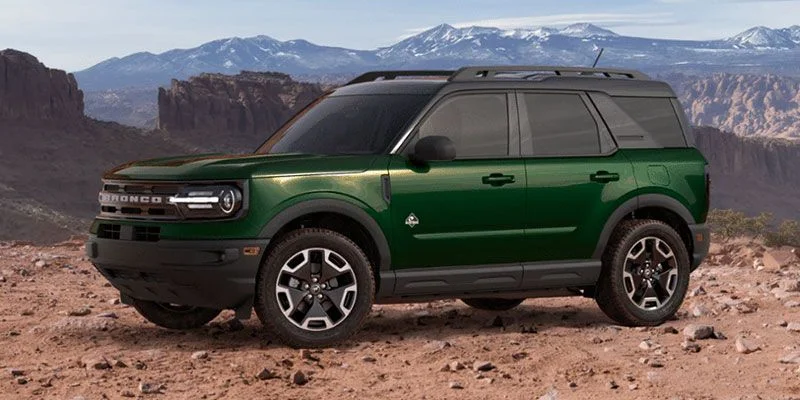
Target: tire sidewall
674, 241
267, 303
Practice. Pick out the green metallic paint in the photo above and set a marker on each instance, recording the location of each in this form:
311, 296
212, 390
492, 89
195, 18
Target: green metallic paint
566, 209
552, 210
462, 221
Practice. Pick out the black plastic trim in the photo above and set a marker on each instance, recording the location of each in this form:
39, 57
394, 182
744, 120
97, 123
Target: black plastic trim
205, 273
486, 280
333, 206
645, 200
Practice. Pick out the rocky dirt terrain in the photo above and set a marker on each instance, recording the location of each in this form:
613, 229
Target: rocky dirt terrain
64, 335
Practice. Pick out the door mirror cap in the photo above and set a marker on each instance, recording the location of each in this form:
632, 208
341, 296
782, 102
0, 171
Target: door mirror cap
433, 148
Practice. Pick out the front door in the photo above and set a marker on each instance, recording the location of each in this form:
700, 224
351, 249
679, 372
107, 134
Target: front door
469, 211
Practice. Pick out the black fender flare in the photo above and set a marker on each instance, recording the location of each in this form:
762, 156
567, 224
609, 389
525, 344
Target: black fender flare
633, 204
338, 207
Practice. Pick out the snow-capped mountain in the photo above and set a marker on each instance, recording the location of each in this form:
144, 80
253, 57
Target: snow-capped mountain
759, 49
763, 37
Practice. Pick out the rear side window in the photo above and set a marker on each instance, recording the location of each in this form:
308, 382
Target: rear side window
559, 124
476, 123
656, 116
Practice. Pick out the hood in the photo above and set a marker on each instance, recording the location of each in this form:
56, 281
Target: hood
214, 167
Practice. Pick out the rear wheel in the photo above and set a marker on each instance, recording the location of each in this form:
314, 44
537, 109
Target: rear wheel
493, 304
173, 316
315, 289
645, 274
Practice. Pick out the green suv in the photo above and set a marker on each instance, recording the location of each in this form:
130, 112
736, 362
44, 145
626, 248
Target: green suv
487, 184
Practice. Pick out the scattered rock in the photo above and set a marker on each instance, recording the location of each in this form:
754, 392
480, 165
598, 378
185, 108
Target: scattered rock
456, 385
369, 359
266, 374
793, 327
596, 340
299, 378
528, 329
26, 313
792, 304
80, 312
719, 335
22, 380
691, 347
16, 372
307, 355
127, 393
791, 358
671, 330
119, 364
200, 355
698, 291
698, 332
789, 285
776, 259
551, 395
519, 356
437, 345
40, 264
455, 366
234, 325
699, 311
745, 346
99, 363
482, 366
647, 345
151, 388
633, 386
111, 315
655, 364
613, 385
2, 278
113, 302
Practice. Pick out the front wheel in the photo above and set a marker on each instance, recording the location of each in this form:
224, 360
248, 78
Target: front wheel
173, 316
493, 304
645, 274
315, 288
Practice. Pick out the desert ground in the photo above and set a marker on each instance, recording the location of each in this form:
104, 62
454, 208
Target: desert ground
64, 335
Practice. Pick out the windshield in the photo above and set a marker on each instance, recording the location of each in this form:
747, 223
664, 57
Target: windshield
337, 125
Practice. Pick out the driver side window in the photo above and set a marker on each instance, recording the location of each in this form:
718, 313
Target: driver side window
476, 123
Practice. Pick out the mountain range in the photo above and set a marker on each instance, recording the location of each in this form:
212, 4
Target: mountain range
757, 50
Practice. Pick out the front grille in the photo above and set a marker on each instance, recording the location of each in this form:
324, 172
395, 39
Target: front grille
143, 201
109, 231
128, 232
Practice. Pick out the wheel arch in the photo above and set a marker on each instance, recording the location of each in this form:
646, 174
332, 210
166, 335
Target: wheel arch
652, 206
326, 213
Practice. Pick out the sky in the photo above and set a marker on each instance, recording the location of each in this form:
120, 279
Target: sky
77, 34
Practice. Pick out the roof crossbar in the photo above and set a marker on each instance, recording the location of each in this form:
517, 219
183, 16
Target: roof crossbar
391, 75
491, 73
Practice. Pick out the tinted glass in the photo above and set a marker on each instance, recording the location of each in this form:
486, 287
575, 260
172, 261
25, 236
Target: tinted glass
476, 123
656, 116
361, 124
560, 124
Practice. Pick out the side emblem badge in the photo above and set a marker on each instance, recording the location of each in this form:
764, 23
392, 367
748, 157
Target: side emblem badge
412, 220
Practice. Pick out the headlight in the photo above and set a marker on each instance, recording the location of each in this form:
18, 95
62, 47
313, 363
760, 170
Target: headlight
208, 201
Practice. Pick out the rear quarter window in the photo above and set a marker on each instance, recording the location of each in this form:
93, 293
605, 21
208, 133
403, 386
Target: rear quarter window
656, 116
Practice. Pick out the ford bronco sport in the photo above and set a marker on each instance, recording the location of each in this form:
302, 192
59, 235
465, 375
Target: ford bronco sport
488, 184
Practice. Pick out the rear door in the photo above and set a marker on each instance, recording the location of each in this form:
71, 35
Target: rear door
576, 177
469, 211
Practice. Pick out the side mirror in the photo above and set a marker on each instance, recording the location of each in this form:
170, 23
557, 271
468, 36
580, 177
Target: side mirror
433, 148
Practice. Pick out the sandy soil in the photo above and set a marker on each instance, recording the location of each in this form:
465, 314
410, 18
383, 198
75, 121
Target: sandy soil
546, 348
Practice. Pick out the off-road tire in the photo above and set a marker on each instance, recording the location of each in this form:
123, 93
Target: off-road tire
611, 294
266, 304
493, 304
174, 317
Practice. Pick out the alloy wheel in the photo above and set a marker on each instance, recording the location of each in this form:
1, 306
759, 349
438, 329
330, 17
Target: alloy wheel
650, 275
316, 289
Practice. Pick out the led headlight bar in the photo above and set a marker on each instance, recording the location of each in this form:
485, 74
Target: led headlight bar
208, 201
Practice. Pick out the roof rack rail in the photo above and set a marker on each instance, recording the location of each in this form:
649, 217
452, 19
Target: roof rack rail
391, 75
489, 73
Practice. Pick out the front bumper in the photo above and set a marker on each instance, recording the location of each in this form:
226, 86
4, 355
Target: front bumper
701, 239
214, 274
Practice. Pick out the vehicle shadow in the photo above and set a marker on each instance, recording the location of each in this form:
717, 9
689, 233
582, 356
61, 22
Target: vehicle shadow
449, 321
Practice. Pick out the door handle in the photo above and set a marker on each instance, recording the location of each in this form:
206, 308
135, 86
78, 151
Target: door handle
498, 179
604, 176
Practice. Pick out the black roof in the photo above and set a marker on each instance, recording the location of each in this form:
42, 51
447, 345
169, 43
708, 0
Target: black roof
614, 82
